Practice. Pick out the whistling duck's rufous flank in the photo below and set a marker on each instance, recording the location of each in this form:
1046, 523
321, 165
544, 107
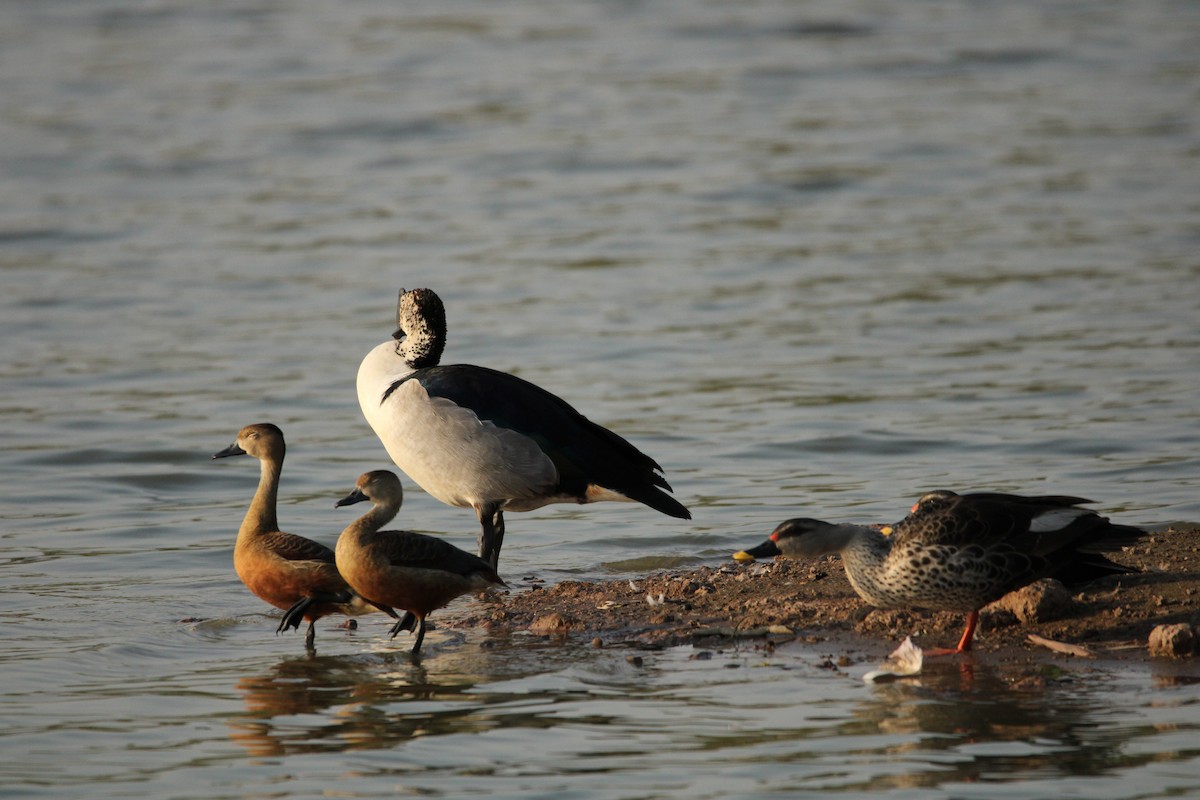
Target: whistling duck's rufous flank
960, 552
286, 570
402, 569
474, 437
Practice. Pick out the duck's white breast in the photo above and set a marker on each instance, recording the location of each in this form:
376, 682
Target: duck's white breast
447, 450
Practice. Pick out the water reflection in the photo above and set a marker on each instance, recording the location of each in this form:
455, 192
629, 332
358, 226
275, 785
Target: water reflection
313, 703
778, 722
587, 719
977, 724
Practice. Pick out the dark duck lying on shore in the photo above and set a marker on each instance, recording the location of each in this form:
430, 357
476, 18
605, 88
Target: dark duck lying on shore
474, 437
402, 569
960, 552
288, 571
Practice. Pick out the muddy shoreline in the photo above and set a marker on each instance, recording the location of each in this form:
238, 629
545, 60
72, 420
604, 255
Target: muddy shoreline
762, 604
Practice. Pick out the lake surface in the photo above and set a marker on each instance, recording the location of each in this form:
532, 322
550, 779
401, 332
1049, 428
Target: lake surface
815, 258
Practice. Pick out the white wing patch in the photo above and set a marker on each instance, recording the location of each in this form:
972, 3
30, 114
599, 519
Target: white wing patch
1057, 519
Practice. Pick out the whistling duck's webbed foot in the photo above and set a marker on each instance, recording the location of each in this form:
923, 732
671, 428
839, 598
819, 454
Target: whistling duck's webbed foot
294, 615
409, 622
406, 623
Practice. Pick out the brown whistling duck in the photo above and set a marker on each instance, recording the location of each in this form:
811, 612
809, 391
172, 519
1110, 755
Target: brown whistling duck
402, 569
288, 571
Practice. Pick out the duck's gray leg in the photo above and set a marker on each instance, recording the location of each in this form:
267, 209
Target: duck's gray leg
491, 539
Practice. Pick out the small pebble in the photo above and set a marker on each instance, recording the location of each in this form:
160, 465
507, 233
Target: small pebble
634, 660
597, 643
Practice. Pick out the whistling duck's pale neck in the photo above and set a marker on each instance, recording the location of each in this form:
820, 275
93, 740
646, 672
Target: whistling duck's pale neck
373, 521
261, 514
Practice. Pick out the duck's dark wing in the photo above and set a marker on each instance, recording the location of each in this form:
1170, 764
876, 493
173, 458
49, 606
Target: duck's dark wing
1052, 531
298, 548
1029, 501
944, 518
420, 551
583, 452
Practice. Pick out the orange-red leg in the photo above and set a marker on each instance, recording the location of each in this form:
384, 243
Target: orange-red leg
964, 644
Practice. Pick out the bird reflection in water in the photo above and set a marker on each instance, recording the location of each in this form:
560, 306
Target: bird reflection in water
335, 703
1040, 730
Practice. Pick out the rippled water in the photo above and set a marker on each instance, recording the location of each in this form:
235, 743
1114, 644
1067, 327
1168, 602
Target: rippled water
813, 257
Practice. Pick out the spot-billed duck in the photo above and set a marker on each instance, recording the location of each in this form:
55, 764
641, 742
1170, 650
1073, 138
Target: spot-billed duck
960, 552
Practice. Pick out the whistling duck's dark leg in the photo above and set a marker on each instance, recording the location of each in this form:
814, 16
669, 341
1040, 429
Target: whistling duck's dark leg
311, 636
420, 635
385, 609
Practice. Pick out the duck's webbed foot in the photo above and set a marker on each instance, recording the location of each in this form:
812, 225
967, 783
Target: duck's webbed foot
308, 605
295, 615
406, 623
